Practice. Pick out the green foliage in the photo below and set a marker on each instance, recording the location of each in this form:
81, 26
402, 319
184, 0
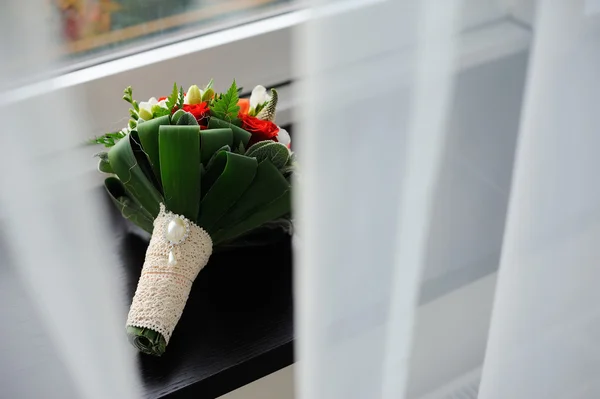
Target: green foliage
214, 156
157, 112
277, 153
267, 110
179, 168
104, 163
181, 98
128, 96
133, 112
208, 95
173, 99
209, 85
239, 134
256, 146
132, 167
187, 119
212, 141
225, 107
109, 139
241, 148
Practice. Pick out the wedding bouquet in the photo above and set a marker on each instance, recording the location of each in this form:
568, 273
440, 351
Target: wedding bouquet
197, 170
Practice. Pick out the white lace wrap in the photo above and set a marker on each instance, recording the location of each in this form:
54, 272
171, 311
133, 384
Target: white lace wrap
163, 288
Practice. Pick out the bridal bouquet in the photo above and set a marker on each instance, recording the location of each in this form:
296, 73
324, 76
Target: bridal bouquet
197, 170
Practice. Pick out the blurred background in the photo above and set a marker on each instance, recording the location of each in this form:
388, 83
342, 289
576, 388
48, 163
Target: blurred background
448, 234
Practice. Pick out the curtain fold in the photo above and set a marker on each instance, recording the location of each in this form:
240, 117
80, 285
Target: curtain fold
376, 79
546, 316
62, 315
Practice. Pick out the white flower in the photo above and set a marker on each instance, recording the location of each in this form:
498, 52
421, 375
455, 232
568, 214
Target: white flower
147, 107
259, 96
284, 137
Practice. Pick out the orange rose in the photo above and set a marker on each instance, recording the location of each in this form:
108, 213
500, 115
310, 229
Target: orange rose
244, 105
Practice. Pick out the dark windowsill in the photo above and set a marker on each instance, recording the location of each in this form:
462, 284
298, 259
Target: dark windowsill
237, 326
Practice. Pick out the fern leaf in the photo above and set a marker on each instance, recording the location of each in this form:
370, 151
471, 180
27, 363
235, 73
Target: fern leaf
225, 107
172, 99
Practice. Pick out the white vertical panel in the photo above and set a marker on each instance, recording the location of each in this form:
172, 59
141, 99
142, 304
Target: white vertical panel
54, 235
545, 325
376, 75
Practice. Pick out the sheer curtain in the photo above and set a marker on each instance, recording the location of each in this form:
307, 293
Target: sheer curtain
546, 318
379, 100
62, 329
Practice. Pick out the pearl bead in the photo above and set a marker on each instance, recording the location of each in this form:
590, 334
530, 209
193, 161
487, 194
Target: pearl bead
176, 230
172, 259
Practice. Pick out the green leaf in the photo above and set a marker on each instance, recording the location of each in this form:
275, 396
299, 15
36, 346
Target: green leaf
256, 146
209, 85
176, 115
254, 206
171, 101
158, 112
181, 98
239, 134
187, 119
104, 163
179, 168
109, 139
208, 95
130, 210
146, 340
273, 210
275, 152
226, 107
212, 140
241, 149
214, 156
226, 180
148, 133
127, 161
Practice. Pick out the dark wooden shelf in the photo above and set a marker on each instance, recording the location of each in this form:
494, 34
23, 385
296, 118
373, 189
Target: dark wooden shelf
237, 326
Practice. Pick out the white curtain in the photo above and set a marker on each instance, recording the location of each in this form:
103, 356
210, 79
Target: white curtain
412, 147
544, 334
61, 318
399, 197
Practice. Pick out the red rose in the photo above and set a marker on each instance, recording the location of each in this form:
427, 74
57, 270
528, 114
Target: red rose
200, 111
261, 130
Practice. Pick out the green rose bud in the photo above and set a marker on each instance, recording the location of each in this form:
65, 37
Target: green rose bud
194, 95
208, 94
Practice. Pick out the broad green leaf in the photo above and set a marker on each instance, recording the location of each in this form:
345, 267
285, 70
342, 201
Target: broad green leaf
256, 146
275, 152
267, 186
104, 163
234, 173
214, 158
179, 168
273, 210
176, 115
148, 133
212, 140
187, 119
130, 210
239, 134
130, 171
